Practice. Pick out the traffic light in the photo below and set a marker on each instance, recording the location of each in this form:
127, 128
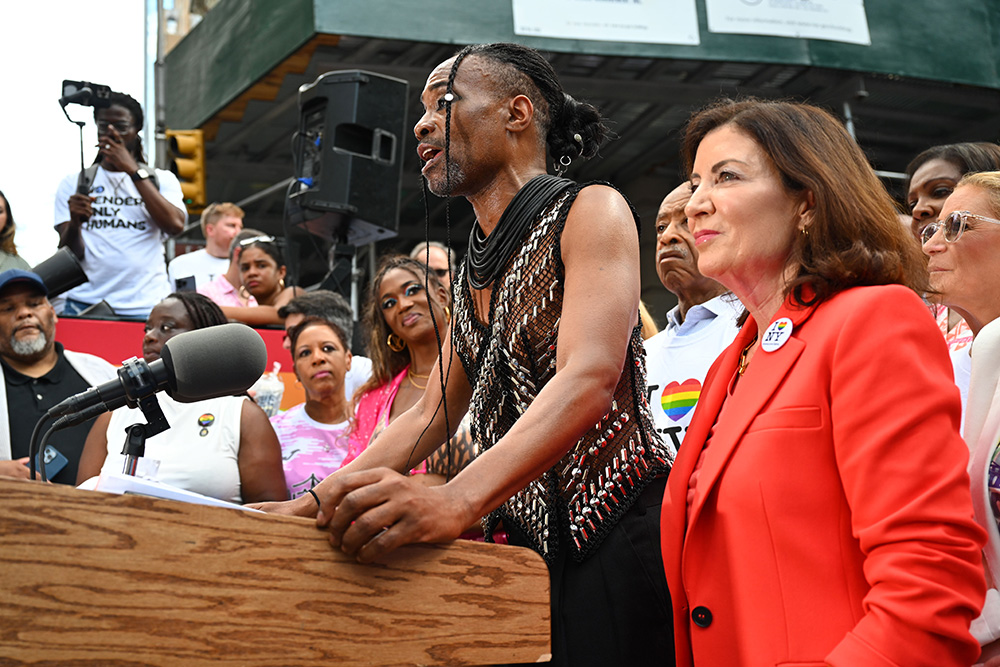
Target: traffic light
187, 161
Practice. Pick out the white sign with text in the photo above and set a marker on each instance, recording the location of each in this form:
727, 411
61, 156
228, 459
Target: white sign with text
648, 21
834, 20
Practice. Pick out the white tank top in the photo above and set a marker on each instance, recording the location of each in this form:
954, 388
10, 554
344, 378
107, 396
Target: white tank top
199, 452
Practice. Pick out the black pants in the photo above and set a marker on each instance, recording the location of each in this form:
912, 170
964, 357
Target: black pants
614, 608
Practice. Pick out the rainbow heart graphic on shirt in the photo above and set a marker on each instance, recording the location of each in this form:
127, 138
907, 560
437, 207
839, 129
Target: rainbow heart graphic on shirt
678, 399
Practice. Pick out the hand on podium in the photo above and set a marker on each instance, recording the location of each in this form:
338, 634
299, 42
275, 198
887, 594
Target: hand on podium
304, 505
372, 512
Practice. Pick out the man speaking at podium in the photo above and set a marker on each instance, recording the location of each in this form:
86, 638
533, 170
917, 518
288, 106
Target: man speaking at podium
37, 374
546, 356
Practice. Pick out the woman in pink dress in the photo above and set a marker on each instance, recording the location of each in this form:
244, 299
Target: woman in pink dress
406, 316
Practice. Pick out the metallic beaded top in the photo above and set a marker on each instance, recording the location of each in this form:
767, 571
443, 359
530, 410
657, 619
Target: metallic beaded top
509, 360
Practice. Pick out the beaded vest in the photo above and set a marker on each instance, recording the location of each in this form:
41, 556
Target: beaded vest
511, 359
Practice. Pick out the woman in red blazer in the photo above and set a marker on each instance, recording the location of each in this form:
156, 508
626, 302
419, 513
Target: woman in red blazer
818, 512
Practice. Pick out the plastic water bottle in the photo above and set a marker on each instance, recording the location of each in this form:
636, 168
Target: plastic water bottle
269, 390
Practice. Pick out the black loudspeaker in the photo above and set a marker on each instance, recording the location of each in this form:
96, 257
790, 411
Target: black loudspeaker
61, 272
349, 156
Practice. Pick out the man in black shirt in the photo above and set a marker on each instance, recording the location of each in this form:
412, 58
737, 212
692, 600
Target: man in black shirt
37, 374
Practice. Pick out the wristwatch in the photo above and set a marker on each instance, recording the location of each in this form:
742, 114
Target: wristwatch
140, 174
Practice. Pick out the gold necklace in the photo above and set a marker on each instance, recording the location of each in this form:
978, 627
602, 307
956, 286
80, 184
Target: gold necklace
744, 362
418, 386
418, 375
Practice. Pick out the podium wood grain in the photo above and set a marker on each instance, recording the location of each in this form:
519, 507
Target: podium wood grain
130, 580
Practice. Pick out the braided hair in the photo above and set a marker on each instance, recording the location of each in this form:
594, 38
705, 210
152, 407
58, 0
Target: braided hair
571, 129
520, 70
203, 311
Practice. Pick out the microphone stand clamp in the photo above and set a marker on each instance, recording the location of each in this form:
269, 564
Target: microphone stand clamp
136, 434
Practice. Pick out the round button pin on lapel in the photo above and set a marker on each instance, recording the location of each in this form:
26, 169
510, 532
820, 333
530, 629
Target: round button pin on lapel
777, 334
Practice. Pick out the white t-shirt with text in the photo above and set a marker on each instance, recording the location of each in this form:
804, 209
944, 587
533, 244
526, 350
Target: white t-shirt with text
123, 256
678, 359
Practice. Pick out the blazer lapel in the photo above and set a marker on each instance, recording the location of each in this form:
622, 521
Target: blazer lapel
983, 383
673, 519
762, 379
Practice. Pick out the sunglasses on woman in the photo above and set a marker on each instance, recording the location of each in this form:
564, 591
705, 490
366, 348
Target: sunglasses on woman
953, 226
264, 238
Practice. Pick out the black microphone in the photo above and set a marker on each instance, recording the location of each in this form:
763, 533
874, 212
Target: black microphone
206, 363
82, 94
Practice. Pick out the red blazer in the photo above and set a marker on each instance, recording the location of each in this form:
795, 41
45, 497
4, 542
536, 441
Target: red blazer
832, 521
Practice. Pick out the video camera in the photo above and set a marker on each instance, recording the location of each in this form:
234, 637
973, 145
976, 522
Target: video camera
85, 93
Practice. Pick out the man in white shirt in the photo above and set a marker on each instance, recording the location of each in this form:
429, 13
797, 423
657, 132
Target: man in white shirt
118, 227
699, 327
220, 223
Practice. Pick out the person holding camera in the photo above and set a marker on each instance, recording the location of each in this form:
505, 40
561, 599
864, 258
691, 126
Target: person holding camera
116, 215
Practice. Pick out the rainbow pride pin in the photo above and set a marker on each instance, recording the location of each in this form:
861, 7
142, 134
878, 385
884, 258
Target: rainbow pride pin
678, 399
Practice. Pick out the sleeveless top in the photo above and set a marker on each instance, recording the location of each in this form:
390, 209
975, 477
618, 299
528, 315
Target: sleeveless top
509, 360
199, 452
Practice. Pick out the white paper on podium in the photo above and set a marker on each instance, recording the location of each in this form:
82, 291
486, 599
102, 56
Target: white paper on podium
118, 483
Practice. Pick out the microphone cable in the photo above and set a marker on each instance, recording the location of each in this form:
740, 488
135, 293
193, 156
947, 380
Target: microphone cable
32, 446
72, 419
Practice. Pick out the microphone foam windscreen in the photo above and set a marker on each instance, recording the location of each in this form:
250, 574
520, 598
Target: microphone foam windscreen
222, 360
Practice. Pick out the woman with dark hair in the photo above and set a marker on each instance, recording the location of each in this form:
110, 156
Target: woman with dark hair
129, 210
263, 271
260, 265
9, 259
313, 434
221, 447
810, 518
933, 174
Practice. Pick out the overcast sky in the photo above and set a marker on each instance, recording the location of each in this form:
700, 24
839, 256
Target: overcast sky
42, 43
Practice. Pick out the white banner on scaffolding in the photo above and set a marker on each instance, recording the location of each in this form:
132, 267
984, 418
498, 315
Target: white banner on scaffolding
647, 21
833, 20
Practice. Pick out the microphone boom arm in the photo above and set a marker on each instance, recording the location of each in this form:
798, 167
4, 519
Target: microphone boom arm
136, 434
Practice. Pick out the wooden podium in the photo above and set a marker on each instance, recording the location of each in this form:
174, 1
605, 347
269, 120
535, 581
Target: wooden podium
131, 580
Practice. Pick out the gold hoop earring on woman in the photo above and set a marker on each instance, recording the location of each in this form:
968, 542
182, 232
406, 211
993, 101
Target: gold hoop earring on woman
281, 284
447, 314
395, 343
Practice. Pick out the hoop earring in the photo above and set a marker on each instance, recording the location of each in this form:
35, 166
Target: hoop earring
447, 314
564, 162
281, 284
395, 343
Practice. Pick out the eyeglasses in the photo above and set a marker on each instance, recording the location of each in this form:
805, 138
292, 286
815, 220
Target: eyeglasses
263, 238
953, 226
122, 128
